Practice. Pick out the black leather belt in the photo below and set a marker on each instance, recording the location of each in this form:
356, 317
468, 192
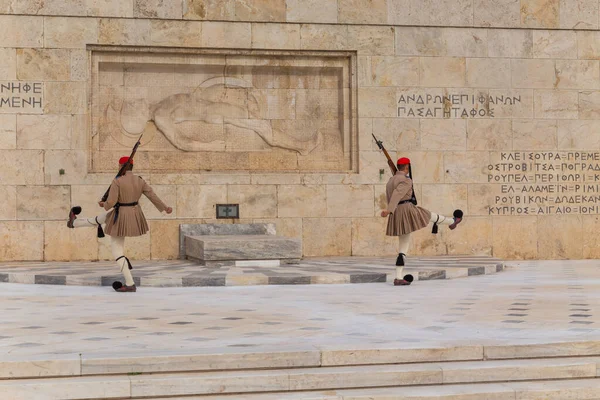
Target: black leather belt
119, 205
404, 201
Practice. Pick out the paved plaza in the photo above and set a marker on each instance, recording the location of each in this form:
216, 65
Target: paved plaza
529, 302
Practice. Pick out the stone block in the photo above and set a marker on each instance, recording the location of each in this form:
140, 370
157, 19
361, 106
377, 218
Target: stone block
577, 74
394, 71
535, 134
70, 33
43, 132
326, 237
22, 167
275, 36
394, 133
43, 64
444, 199
489, 134
466, 166
563, 243
510, 43
13, 34
65, 97
64, 244
260, 10
275, 179
559, 104
513, 103
168, 194
554, 44
87, 197
164, 239
443, 71
242, 247
22, 240
371, 40
377, 102
362, 12
136, 248
110, 8
578, 14
423, 243
589, 105
509, 246
221, 229
591, 241
72, 162
286, 227
226, 35
428, 166
132, 32
540, 13
539, 74
488, 72
578, 134
79, 65
8, 199
8, 64
497, 13
323, 37
480, 198
200, 201
8, 131
43, 202
313, 11
588, 45
431, 13
369, 239
446, 134
349, 201
157, 9
301, 201
209, 9
47, 7
256, 201
176, 33
443, 42
473, 236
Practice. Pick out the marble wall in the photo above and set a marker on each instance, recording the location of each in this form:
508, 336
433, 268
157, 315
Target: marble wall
495, 101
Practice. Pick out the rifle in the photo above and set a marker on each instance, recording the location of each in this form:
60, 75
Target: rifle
122, 170
389, 159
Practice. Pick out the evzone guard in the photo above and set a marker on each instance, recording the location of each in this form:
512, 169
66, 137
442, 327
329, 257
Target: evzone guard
123, 217
404, 216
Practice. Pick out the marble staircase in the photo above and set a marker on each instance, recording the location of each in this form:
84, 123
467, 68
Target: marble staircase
537, 371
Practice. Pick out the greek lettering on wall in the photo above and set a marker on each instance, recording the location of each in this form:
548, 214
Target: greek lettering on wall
21, 97
541, 183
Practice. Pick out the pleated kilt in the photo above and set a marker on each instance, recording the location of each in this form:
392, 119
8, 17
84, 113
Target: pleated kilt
407, 218
130, 222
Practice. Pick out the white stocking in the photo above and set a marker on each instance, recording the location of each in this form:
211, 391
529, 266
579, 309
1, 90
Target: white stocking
117, 245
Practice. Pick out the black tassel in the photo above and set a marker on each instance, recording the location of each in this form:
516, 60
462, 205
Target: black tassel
100, 231
434, 230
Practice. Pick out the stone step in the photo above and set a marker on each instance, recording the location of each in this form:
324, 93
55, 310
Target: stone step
299, 379
242, 247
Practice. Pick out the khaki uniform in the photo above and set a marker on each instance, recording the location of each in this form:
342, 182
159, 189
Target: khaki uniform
406, 217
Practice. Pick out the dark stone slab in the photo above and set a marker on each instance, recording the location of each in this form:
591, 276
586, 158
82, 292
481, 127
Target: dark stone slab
476, 271
368, 278
3, 277
50, 280
202, 281
289, 280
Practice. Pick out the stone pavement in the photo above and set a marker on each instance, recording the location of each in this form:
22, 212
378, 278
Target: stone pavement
537, 302
171, 273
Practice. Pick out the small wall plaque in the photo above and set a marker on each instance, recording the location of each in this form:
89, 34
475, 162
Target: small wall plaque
231, 211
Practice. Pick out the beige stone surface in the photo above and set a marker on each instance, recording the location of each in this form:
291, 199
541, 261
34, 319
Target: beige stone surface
22, 240
157, 9
43, 132
64, 244
443, 71
444, 199
323, 37
430, 12
533, 74
371, 40
558, 244
327, 236
286, 227
43, 202
275, 36
124, 31
560, 104
554, 44
79, 65
256, 201
588, 45
301, 201
13, 35
168, 194
64, 97
578, 134
428, 166
199, 201
466, 166
362, 11
377, 102
578, 14
445, 42
497, 13
369, 239
591, 241
74, 33
489, 134
445, 134
509, 246
43, 64
589, 104
260, 10
472, 236
480, 198
394, 133
87, 197
8, 64
209, 9
350, 200
164, 238
72, 162
110, 8
8, 131
226, 35
394, 71
424, 243
488, 72
136, 248
314, 11
577, 74
540, 13
8, 199
22, 167
47, 7
522, 103
535, 134
510, 43
176, 33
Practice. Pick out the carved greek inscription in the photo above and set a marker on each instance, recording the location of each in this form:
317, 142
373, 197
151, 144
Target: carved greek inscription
21, 97
415, 105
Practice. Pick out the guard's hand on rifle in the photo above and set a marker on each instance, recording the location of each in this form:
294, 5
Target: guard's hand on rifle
169, 210
101, 204
385, 213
